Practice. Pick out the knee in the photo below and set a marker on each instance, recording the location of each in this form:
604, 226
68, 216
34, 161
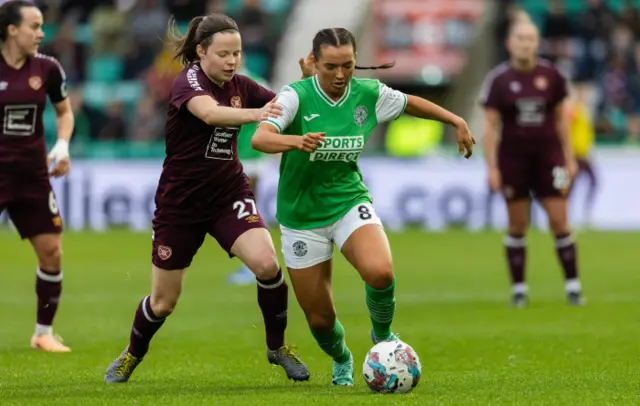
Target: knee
163, 305
518, 228
559, 227
265, 266
321, 320
379, 276
50, 256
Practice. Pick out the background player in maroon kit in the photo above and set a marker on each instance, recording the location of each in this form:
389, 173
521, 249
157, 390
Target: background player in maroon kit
534, 157
203, 190
26, 79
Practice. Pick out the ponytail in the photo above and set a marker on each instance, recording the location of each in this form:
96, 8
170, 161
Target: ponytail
200, 32
184, 45
387, 65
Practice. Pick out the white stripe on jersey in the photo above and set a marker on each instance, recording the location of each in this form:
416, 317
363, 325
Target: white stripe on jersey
491, 77
55, 61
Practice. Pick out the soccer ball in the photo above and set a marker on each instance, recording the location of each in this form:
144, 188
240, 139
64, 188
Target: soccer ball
392, 367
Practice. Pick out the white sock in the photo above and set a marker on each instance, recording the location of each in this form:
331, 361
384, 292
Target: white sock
572, 285
520, 288
43, 330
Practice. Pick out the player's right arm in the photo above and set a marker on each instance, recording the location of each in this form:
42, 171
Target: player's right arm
269, 138
492, 122
208, 110
490, 101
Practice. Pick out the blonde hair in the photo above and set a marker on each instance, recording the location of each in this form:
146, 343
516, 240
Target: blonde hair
523, 19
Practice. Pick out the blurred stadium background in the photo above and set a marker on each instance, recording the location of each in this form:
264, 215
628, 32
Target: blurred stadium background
453, 286
120, 75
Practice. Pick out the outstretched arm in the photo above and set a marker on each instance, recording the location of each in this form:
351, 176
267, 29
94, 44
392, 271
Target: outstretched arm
422, 108
208, 110
267, 139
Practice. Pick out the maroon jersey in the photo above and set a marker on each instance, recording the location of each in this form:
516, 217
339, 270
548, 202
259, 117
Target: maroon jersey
530, 156
201, 171
525, 101
23, 96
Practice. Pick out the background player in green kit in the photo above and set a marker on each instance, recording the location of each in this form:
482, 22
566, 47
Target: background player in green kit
322, 200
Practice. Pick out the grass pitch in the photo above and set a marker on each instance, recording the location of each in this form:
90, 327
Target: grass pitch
452, 298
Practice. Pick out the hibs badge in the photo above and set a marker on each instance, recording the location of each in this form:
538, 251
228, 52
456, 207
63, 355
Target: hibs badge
360, 115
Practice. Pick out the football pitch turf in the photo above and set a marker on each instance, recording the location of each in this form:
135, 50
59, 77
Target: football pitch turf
452, 307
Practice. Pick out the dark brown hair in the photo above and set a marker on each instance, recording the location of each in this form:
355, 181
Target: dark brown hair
10, 14
200, 31
336, 37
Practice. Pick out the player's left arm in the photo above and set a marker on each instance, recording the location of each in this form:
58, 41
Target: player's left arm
561, 114
561, 117
57, 91
392, 103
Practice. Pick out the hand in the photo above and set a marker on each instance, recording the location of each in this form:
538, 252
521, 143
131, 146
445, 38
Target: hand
270, 110
495, 179
307, 66
465, 139
310, 142
59, 156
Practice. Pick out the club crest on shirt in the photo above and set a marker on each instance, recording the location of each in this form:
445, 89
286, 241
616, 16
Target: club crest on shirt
164, 252
236, 102
541, 83
35, 82
360, 115
515, 87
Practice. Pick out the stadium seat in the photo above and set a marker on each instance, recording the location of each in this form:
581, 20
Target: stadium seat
106, 68
257, 62
99, 94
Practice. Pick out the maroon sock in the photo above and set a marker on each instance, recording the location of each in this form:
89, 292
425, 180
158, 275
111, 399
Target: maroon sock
566, 250
273, 298
48, 290
516, 257
145, 325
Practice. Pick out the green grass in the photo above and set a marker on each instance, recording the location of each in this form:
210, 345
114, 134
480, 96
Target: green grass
452, 297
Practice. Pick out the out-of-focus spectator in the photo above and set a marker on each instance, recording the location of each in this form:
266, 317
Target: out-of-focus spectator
634, 92
162, 73
557, 32
148, 24
115, 127
185, 10
148, 120
110, 28
89, 120
253, 24
71, 54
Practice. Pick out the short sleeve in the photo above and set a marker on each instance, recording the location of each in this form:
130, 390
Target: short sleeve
56, 82
561, 88
391, 103
489, 95
289, 100
258, 95
187, 86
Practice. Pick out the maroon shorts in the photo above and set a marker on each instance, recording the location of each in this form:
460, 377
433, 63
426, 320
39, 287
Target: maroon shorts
539, 173
175, 244
33, 213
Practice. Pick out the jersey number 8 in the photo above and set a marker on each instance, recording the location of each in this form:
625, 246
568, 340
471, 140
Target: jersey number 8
365, 214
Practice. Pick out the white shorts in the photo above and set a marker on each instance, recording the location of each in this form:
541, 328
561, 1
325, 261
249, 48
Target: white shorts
306, 248
255, 167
